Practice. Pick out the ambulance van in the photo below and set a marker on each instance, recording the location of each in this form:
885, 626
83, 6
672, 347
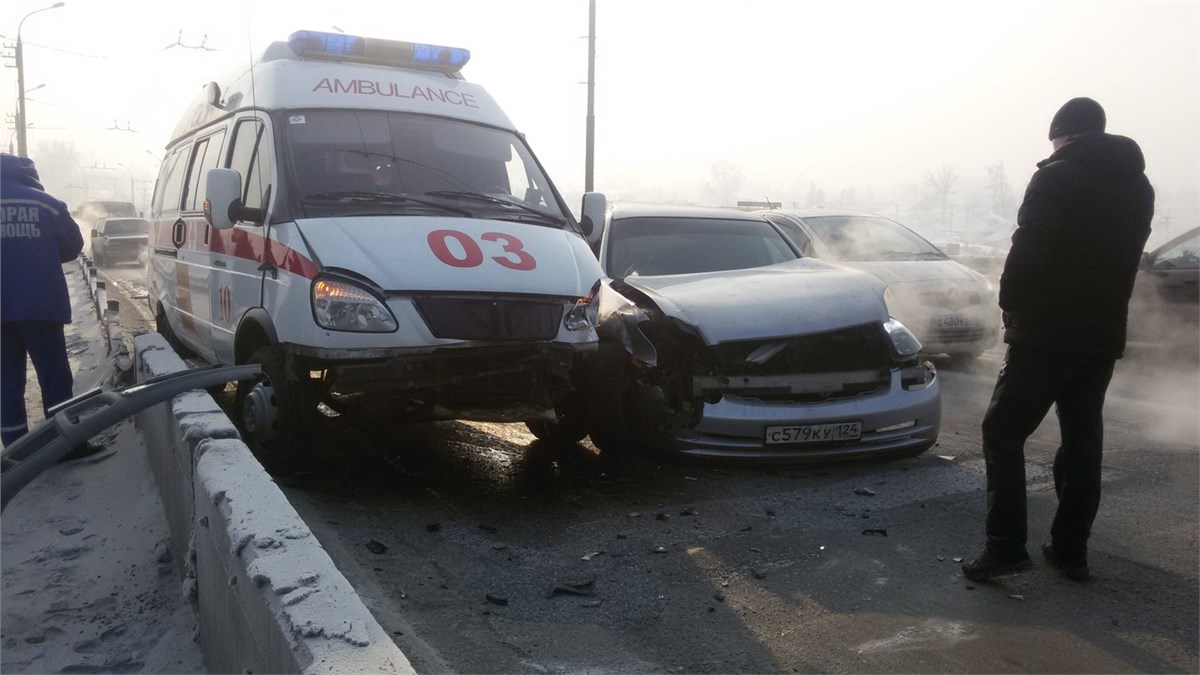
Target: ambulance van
371, 228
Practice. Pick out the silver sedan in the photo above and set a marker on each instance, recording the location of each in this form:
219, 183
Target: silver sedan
718, 339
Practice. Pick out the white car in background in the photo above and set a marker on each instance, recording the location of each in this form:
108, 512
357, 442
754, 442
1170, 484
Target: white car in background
951, 308
719, 340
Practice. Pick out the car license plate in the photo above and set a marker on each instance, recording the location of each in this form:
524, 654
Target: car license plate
814, 433
952, 321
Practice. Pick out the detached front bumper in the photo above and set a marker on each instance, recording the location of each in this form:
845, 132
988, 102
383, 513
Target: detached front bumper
895, 422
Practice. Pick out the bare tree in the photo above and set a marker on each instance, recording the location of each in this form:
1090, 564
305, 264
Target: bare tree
942, 184
725, 179
1001, 191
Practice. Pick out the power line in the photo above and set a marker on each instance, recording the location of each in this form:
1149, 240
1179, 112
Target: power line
27, 43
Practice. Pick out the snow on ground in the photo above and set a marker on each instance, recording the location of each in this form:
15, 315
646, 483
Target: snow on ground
86, 568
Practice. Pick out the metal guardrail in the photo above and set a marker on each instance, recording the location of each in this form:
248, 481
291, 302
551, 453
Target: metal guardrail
108, 313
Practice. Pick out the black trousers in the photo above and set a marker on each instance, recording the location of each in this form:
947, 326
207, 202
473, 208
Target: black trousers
46, 345
1030, 381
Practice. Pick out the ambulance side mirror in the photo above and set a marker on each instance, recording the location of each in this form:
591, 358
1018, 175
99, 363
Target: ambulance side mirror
592, 219
223, 200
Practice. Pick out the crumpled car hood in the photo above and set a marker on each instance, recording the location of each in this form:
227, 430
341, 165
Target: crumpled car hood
797, 297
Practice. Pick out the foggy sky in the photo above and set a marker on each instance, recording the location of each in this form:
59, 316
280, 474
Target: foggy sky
870, 95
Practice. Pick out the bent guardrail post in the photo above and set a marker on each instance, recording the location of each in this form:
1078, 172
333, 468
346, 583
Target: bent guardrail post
75, 421
100, 303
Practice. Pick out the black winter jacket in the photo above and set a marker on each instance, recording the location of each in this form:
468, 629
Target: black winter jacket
1080, 235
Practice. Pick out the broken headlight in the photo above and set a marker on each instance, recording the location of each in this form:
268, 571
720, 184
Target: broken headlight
905, 345
583, 315
341, 305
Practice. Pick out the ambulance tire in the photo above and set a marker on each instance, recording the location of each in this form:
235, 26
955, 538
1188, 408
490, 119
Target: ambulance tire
568, 429
277, 414
609, 420
163, 327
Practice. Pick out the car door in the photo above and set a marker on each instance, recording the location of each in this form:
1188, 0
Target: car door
237, 253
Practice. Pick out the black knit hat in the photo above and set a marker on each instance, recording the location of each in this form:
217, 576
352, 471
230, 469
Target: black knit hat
1077, 116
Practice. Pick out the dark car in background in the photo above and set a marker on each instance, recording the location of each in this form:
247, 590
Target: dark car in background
1165, 307
718, 339
88, 213
950, 307
117, 240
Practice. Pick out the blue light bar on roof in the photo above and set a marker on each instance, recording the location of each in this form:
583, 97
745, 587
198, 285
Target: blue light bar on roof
339, 47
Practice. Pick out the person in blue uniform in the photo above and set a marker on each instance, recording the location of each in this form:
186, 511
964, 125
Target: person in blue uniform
37, 235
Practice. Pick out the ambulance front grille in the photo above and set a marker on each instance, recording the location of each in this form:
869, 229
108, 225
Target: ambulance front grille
491, 318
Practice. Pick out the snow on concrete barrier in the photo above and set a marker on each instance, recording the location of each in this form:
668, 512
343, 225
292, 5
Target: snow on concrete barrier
268, 597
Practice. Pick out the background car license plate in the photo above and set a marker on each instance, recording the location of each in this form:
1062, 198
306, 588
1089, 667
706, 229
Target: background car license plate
814, 433
952, 321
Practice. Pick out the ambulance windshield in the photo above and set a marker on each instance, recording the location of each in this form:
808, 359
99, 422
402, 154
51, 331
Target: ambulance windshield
482, 171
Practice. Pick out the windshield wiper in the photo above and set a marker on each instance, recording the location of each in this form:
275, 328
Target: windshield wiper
384, 198
480, 197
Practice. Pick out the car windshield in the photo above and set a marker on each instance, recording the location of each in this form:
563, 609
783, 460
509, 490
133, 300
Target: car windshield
431, 162
860, 238
126, 226
683, 245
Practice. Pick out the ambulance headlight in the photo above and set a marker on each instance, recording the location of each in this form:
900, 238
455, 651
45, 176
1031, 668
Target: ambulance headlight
344, 306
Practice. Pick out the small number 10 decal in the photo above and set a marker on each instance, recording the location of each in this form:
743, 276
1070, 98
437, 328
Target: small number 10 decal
515, 258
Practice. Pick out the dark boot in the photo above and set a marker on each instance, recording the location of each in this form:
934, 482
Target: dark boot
989, 566
1070, 567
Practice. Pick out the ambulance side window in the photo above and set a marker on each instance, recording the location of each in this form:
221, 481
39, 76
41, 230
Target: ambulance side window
252, 159
206, 156
167, 200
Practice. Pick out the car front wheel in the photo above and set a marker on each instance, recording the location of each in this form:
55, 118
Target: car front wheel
277, 413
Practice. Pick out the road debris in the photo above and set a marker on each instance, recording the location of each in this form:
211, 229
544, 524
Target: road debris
591, 555
878, 532
496, 600
585, 588
864, 492
376, 547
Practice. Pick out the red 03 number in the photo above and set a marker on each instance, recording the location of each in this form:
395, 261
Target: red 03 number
471, 255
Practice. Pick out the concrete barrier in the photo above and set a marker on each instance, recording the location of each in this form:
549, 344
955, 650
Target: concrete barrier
267, 596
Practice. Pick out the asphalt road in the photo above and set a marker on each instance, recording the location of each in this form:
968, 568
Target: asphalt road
480, 550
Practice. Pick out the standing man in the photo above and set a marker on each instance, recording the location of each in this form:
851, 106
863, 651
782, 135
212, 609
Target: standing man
1065, 295
37, 235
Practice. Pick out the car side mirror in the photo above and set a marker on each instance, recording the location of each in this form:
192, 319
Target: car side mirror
594, 209
223, 200
1147, 261
95, 233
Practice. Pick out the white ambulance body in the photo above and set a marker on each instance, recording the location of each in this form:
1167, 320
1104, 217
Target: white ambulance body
371, 228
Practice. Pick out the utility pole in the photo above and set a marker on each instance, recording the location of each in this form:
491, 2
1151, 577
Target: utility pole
589, 160
21, 122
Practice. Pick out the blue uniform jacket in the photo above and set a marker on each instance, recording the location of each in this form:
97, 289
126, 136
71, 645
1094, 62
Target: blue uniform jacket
37, 235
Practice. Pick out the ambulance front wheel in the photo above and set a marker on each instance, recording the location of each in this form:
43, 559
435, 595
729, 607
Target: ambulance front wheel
277, 413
